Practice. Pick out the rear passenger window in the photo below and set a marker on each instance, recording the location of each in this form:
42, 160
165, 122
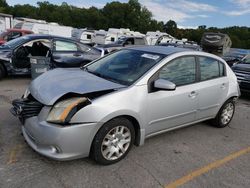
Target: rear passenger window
222, 69
181, 71
210, 68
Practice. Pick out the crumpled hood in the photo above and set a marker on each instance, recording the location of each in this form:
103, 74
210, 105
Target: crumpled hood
52, 85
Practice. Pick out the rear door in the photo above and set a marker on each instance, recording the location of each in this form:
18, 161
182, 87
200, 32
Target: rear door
213, 86
66, 54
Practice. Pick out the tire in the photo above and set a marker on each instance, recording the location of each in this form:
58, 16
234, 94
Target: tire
2, 72
225, 115
113, 141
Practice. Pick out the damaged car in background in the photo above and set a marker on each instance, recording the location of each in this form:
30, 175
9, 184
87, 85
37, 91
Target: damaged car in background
242, 71
123, 98
125, 41
62, 52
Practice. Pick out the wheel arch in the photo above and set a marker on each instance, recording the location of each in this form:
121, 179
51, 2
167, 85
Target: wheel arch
139, 137
233, 97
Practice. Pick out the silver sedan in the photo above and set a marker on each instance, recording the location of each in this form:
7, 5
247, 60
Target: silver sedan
121, 99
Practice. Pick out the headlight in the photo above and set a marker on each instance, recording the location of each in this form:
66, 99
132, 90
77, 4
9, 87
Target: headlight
26, 93
64, 110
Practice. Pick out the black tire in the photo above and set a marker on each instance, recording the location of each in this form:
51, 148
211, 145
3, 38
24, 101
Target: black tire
97, 145
217, 121
2, 72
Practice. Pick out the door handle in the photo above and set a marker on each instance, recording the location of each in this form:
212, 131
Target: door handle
77, 55
193, 94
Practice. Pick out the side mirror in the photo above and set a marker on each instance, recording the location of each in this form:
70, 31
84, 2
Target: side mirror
162, 84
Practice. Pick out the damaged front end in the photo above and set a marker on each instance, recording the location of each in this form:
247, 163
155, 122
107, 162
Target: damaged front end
64, 110
60, 113
25, 108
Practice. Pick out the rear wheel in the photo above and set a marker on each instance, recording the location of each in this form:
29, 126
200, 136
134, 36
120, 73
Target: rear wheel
225, 115
113, 141
2, 72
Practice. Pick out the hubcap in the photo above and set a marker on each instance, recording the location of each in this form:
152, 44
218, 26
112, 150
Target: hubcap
227, 113
116, 143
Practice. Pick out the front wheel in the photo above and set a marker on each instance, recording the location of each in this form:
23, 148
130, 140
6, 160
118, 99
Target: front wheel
113, 141
225, 115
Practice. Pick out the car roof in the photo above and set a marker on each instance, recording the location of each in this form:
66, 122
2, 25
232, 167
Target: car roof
165, 50
46, 36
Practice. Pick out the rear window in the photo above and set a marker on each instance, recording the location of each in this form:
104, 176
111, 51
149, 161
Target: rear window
210, 68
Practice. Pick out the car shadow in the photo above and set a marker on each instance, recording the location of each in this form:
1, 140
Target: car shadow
245, 96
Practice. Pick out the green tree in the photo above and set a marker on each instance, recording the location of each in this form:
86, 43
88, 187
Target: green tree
171, 27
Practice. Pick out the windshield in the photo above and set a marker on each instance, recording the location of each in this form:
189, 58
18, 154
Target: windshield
15, 42
125, 66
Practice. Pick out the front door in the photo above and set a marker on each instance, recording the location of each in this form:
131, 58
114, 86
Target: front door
20, 58
21, 55
167, 109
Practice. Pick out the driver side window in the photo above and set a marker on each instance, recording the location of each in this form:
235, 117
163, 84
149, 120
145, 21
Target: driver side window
181, 71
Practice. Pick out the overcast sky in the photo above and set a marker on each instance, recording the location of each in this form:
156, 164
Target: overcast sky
187, 13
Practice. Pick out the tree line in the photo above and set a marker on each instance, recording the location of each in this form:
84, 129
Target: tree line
131, 15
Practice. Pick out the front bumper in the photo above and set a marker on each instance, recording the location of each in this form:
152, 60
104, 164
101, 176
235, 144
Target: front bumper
59, 142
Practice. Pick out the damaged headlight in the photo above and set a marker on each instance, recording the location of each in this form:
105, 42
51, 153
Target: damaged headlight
63, 111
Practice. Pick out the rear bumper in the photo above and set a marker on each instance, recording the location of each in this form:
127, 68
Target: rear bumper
59, 142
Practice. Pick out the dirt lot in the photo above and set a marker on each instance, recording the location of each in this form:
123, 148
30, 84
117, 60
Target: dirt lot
197, 156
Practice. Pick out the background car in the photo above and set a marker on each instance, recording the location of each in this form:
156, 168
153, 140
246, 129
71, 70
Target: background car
123, 42
122, 99
63, 52
11, 34
242, 71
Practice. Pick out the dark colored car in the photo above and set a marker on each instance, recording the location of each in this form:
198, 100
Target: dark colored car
242, 71
235, 55
123, 42
231, 60
11, 34
63, 52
